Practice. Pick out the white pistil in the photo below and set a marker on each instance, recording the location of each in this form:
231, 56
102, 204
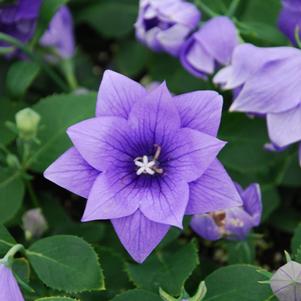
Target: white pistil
145, 166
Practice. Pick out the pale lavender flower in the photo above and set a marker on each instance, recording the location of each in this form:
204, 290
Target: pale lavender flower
234, 223
9, 288
211, 45
59, 35
269, 79
19, 20
146, 160
34, 223
286, 282
290, 19
163, 25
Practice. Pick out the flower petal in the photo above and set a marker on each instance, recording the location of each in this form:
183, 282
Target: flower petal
113, 195
190, 154
9, 289
285, 128
139, 235
205, 226
213, 191
117, 94
72, 172
274, 88
200, 110
102, 142
247, 59
238, 223
219, 37
252, 202
155, 118
164, 199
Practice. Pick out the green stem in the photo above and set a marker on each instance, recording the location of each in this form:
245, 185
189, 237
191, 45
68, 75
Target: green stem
35, 58
207, 10
7, 259
32, 195
233, 7
68, 70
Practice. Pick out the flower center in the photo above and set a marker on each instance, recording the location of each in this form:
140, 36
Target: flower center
149, 165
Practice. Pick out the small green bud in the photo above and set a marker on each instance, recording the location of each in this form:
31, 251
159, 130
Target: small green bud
27, 121
12, 161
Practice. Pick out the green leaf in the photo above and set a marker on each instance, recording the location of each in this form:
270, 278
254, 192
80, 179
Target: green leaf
113, 19
166, 270
22, 269
137, 295
48, 10
292, 174
241, 251
270, 201
7, 113
6, 241
11, 194
296, 240
237, 282
58, 112
131, 58
20, 76
56, 299
66, 263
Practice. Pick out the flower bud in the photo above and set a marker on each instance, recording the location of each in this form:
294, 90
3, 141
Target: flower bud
27, 122
34, 223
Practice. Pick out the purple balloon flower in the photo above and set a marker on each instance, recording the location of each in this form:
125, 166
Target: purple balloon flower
9, 288
213, 44
163, 25
19, 20
145, 160
286, 282
290, 18
234, 223
269, 79
59, 35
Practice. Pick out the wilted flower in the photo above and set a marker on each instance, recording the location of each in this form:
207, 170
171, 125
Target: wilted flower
286, 282
146, 160
9, 288
234, 223
211, 45
269, 79
290, 19
19, 19
27, 121
34, 223
59, 35
163, 25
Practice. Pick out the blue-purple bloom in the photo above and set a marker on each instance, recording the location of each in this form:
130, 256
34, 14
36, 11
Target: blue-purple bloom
290, 19
59, 35
269, 82
286, 282
163, 25
19, 20
211, 45
233, 223
146, 160
9, 288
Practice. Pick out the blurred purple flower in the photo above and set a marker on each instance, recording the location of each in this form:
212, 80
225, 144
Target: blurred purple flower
163, 25
19, 20
270, 82
234, 223
286, 282
9, 288
211, 45
146, 160
34, 223
290, 18
60, 36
